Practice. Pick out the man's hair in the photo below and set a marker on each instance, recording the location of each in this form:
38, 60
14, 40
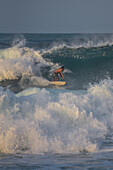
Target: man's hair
62, 67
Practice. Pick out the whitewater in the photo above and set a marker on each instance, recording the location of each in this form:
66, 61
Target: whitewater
43, 126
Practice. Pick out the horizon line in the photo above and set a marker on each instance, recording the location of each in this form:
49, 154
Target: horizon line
56, 33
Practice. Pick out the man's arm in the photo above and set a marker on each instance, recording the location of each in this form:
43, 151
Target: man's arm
61, 75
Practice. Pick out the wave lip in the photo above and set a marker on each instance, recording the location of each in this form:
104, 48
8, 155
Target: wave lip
91, 41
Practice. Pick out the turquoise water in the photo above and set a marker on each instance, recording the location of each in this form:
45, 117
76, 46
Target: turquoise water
49, 127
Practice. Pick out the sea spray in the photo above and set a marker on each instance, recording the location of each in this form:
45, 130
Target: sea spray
38, 121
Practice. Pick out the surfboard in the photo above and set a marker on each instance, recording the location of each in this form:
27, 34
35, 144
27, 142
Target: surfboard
58, 83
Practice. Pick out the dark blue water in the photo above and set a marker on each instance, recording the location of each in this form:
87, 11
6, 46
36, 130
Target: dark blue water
43, 126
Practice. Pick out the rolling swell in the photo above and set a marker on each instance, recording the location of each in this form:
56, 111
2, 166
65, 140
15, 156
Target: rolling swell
86, 65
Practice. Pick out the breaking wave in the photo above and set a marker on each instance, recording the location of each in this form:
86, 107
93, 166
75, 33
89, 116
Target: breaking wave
58, 121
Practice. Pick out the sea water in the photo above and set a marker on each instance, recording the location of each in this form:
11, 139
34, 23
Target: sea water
43, 126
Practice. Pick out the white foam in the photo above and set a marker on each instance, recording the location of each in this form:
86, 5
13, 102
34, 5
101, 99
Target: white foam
20, 61
39, 120
40, 81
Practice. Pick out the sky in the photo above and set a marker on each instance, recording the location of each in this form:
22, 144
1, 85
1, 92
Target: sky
56, 16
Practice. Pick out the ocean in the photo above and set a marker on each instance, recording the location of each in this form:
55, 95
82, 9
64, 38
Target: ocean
44, 126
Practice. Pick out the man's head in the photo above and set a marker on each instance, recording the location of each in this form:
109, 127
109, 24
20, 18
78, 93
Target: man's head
62, 67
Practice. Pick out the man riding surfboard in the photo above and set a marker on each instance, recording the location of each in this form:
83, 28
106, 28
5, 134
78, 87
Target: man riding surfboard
57, 72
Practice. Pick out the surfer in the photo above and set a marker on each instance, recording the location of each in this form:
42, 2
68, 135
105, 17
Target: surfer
57, 72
